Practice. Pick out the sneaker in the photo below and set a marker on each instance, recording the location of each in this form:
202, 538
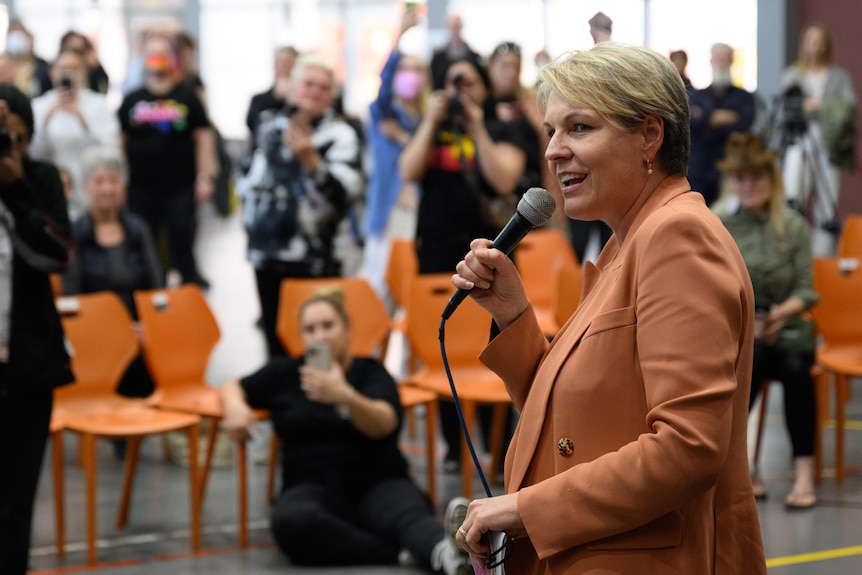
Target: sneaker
455, 514
406, 559
454, 559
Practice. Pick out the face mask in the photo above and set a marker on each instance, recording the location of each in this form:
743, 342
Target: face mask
408, 84
157, 64
17, 43
721, 78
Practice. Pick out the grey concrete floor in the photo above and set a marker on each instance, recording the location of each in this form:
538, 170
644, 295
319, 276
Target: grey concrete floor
824, 541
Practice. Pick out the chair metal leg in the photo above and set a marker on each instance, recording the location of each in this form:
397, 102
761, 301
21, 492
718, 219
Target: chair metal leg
212, 435
761, 421
88, 459
410, 414
242, 477
468, 408
842, 394
498, 430
194, 484
821, 393
133, 449
430, 448
272, 465
59, 491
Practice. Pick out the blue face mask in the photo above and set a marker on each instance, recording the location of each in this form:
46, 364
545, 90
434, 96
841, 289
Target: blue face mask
18, 43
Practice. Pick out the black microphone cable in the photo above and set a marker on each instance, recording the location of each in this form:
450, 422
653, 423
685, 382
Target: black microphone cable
442, 337
501, 554
534, 209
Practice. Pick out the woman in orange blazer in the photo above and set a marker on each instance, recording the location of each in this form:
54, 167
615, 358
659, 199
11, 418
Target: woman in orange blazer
630, 455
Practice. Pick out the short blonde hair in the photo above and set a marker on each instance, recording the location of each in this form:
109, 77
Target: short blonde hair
311, 60
332, 295
625, 84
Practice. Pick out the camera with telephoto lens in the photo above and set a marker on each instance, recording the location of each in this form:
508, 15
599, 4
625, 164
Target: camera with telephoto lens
66, 81
454, 108
6, 142
793, 102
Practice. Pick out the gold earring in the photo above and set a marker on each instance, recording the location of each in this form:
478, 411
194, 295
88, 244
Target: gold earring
648, 166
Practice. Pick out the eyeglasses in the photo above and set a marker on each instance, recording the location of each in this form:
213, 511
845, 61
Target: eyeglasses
505, 47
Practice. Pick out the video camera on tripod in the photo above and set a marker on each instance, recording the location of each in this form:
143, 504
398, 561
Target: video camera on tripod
795, 123
794, 131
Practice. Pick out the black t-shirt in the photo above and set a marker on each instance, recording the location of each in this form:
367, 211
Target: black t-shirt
318, 445
160, 147
449, 210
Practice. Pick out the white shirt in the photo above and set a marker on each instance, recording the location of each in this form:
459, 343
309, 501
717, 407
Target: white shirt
64, 137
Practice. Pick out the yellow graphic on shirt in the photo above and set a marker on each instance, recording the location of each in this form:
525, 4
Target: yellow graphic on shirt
448, 152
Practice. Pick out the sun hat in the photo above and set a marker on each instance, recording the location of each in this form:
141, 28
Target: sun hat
745, 151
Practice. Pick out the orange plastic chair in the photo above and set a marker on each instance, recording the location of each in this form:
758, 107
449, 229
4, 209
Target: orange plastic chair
838, 316
56, 284
538, 258
411, 398
369, 320
568, 295
403, 265
179, 333
466, 334
242, 479
102, 340
850, 241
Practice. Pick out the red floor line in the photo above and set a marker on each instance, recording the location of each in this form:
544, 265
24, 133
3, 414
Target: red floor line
206, 552
154, 559
86, 568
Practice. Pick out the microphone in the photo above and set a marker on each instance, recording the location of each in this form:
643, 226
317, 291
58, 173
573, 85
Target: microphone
534, 209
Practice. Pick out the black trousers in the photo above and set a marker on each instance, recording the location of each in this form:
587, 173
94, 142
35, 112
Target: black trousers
316, 524
23, 433
171, 211
793, 370
269, 280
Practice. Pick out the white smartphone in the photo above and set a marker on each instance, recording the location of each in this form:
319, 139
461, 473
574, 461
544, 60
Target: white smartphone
318, 356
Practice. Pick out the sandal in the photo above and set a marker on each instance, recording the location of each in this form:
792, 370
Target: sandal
758, 488
799, 500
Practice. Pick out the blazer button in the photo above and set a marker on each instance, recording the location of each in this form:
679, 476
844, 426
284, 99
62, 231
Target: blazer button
566, 447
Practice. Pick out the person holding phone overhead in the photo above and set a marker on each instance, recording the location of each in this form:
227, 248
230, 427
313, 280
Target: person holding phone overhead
68, 120
347, 497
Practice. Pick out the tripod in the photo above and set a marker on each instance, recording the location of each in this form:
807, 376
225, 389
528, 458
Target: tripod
806, 169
